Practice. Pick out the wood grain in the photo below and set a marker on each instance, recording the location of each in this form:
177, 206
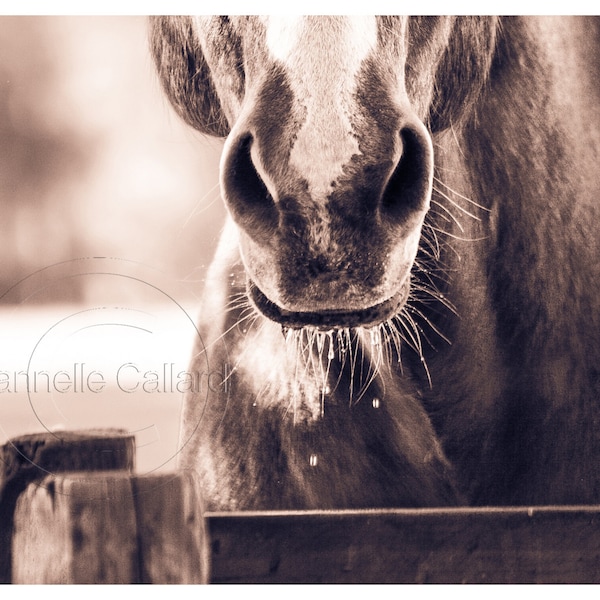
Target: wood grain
31, 458
116, 527
110, 527
172, 535
496, 545
76, 528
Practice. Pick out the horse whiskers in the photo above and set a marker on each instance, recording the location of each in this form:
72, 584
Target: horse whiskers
413, 339
459, 195
239, 296
363, 355
429, 281
365, 352
431, 263
430, 239
423, 282
450, 218
251, 315
412, 309
429, 298
240, 305
318, 360
430, 250
200, 207
453, 236
460, 208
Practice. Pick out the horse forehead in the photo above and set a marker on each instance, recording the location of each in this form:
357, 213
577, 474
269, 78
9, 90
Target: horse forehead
321, 58
299, 42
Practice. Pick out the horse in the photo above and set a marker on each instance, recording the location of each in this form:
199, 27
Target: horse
404, 303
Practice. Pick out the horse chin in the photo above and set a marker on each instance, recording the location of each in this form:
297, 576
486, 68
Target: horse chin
326, 320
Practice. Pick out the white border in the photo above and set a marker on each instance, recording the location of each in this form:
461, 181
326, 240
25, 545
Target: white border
427, 7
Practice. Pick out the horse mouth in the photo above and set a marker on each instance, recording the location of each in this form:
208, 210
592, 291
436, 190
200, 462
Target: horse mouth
329, 319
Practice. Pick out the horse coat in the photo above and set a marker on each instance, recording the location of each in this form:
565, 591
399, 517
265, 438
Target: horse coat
404, 303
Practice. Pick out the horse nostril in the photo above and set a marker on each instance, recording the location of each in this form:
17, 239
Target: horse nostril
409, 187
245, 192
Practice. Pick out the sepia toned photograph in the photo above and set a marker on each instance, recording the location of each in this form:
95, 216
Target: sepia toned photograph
299, 299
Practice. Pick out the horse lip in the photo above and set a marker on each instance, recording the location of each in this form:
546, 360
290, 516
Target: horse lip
329, 319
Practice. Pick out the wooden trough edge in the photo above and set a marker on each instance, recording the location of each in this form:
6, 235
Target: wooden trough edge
549, 544
113, 526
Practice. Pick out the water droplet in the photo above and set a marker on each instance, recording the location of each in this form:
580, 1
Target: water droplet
342, 338
320, 341
331, 353
376, 403
313, 460
326, 390
375, 337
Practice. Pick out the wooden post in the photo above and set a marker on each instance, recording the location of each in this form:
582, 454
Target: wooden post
110, 526
76, 528
173, 538
98, 526
30, 458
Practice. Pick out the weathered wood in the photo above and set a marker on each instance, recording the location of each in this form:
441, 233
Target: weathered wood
115, 527
76, 528
30, 458
173, 543
110, 527
513, 545
60, 451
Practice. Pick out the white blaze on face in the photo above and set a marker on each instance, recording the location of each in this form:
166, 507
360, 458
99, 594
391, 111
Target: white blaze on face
322, 57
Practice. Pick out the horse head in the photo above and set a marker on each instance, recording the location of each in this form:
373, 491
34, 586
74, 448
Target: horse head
328, 163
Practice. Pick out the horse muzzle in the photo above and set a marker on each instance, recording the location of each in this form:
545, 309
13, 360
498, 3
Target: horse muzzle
329, 229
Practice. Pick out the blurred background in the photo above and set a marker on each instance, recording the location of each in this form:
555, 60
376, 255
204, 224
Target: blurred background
110, 213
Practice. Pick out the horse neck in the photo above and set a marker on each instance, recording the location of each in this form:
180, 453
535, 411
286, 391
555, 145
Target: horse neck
522, 168
529, 154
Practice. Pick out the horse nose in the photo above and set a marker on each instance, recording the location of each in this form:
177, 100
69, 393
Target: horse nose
245, 191
387, 185
408, 189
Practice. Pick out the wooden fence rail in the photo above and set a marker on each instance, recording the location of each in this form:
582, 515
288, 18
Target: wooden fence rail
73, 511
